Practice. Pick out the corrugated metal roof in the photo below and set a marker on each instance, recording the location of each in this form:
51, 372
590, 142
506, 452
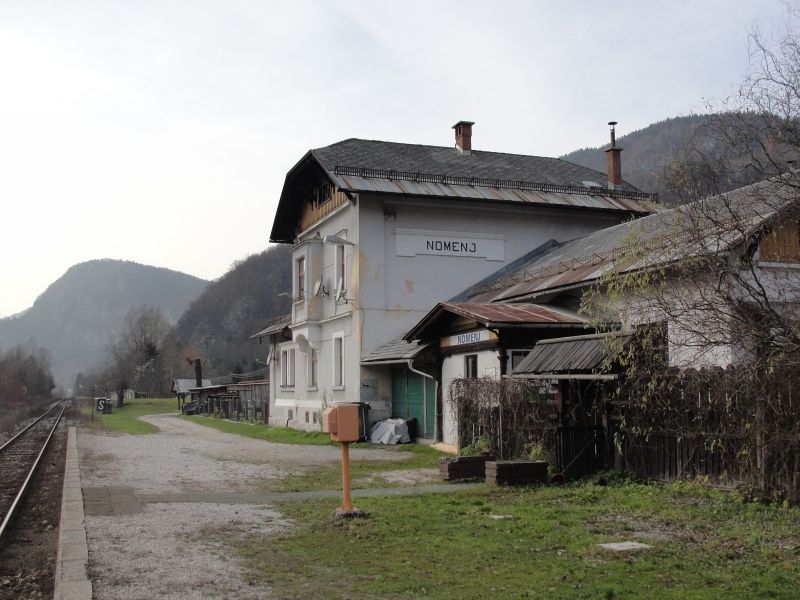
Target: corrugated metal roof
601, 200
435, 171
577, 354
275, 325
182, 386
396, 350
723, 222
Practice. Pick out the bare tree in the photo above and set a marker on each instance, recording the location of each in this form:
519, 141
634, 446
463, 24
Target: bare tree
717, 282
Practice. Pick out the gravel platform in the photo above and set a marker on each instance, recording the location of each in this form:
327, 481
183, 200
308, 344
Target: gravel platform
182, 550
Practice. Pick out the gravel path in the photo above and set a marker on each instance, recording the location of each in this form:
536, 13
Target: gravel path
184, 550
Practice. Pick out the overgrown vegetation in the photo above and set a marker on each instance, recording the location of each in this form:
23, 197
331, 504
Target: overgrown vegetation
26, 385
535, 543
506, 418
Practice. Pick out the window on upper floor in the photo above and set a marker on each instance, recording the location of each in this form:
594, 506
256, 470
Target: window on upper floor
341, 272
323, 193
300, 278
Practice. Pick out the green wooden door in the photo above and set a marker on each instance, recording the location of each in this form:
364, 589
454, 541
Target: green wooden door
414, 396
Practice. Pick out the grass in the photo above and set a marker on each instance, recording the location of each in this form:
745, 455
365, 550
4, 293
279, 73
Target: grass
363, 473
706, 544
327, 477
259, 431
125, 419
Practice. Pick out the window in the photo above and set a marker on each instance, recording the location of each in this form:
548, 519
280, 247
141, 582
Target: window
517, 356
313, 368
307, 417
301, 278
340, 266
291, 414
338, 361
315, 416
287, 367
782, 244
471, 365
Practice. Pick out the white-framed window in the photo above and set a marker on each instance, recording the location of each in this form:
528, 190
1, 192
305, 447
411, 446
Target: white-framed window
291, 414
300, 279
287, 367
338, 361
470, 365
341, 267
313, 369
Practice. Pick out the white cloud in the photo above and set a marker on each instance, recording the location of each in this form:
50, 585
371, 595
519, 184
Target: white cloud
161, 132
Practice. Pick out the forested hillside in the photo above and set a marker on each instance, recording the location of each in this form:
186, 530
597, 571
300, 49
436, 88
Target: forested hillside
80, 313
648, 151
220, 321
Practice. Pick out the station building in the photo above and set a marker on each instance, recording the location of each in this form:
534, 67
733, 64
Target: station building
383, 232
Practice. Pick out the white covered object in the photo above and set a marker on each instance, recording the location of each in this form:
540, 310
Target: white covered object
390, 431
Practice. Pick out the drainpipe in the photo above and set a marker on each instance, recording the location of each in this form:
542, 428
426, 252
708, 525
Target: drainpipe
410, 364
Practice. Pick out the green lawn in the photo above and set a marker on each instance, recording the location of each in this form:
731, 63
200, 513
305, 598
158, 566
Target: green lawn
363, 473
706, 544
125, 419
260, 431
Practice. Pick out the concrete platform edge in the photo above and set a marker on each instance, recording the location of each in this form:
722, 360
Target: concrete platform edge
71, 579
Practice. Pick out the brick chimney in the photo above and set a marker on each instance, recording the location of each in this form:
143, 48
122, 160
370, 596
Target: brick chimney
614, 160
464, 136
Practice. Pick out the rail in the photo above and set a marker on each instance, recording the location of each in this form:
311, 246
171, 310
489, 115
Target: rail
23, 488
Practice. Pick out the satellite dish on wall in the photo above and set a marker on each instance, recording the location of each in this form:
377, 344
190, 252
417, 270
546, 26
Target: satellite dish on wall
340, 291
319, 288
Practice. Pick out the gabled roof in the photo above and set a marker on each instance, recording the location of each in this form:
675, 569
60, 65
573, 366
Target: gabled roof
492, 315
182, 386
717, 224
581, 354
396, 351
359, 166
275, 325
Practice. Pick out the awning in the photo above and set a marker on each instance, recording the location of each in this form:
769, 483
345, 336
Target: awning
576, 357
394, 352
275, 325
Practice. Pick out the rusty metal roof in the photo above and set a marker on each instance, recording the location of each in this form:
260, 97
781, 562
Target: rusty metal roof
577, 354
275, 325
706, 226
492, 315
513, 313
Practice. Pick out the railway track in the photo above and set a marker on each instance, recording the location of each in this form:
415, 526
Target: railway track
19, 458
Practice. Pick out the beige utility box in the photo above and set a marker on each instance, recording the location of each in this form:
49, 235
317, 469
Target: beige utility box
341, 421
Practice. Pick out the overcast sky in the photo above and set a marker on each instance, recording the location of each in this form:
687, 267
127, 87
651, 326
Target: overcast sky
161, 131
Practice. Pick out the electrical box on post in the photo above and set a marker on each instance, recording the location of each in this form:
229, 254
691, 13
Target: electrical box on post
341, 421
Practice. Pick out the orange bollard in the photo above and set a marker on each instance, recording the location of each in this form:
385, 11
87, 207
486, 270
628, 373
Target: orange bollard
347, 504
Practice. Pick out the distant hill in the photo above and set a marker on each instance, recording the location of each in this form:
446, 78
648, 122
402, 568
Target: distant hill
77, 315
645, 152
220, 321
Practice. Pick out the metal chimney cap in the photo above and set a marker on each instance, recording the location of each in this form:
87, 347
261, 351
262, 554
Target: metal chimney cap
612, 123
